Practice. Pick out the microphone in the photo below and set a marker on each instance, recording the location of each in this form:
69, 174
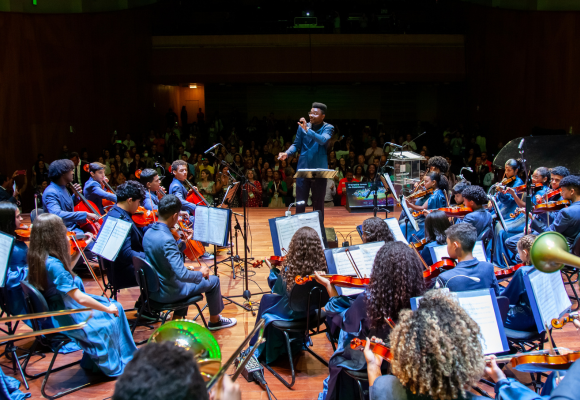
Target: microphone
468, 169
158, 164
521, 144
394, 145
211, 148
298, 203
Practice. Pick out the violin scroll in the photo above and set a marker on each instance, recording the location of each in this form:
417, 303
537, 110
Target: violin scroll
559, 323
301, 280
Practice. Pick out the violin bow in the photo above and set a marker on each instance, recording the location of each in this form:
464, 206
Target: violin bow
90, 268
505, 259
351, 259
419, 255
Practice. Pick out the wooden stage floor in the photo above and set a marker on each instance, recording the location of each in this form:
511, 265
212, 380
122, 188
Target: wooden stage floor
309, 372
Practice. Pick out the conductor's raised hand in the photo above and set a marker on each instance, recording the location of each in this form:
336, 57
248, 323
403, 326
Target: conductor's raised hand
302, 124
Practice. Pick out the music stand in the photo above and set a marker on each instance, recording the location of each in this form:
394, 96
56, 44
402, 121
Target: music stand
497, 212
315, 173
409, 217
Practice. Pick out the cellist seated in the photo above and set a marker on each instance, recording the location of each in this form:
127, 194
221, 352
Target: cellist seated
93, 190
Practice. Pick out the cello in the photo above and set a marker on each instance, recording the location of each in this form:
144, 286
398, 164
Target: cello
107, 188
87, 206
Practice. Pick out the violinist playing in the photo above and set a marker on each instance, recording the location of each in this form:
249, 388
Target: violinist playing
435, 200
461, 239
305, 255
129, 197
396, 277
436, 223
93, 190
474, 197
457, 192
153, 190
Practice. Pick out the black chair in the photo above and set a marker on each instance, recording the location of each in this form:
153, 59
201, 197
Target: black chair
486, 236
148, 281
35, 303
312, 296
33, 214
571, 273
112, 283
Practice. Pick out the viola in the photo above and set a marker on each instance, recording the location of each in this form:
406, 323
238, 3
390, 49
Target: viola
337, 280
439, 267
377, 348
501, 186
551, 206
107, 188
559, 323
542, 361
420, 194
144, 217
508, 272
89, 207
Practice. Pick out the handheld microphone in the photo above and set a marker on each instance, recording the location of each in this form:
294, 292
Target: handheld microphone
521, 144
211, 148
394, 145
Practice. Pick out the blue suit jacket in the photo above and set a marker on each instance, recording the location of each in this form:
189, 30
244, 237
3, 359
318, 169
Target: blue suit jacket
180, 191
133, 245
312, 145
567, 223
480, 219
176, 281
5, 196
151, 201
95, 193
474, 268
57, 200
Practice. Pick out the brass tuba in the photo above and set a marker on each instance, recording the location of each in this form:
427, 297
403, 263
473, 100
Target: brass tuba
550, 252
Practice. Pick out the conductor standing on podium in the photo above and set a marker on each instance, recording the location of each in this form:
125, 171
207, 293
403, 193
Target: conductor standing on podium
312, 139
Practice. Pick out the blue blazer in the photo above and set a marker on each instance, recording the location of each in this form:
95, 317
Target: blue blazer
312, 145
151, 201
180, 191
176, 282
57, 200
95, 193
567, 223
474, 268
5, 196
480, 219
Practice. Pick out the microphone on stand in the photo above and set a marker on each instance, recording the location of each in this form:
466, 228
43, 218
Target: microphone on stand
521, 144
211, 148
394, 145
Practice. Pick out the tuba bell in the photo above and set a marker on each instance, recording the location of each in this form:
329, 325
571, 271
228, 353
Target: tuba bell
550, 252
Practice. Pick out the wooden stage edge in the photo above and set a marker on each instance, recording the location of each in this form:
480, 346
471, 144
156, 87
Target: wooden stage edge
309, 372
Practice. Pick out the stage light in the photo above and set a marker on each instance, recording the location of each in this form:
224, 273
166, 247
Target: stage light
308, 14
193, 86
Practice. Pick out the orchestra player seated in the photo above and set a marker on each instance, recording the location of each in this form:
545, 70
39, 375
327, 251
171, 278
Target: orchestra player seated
106, 338
129, 197
375, 229
428, 362
152, 373
93, 190
178, 283
436, 223
457, 192
396, 277
520, 316
469, 273
305, 255
153, 191
474, 197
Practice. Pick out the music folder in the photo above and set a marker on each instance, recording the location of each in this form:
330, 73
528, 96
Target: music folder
212, 225
6, 246
111, 237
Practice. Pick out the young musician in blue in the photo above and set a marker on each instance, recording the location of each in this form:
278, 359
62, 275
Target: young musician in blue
436, 223
436, 200
458, 191
305, 255
106, 338
179, 283
93, 190
312, 140
469, 273
474, 197
396, 277
568, 220
153, 191
57, 200
129, 197
376, 230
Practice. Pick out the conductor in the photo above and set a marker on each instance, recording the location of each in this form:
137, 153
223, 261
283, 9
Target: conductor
312, 139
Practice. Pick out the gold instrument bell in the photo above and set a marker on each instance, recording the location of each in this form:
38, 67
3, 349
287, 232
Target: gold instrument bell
194, 338
550, 252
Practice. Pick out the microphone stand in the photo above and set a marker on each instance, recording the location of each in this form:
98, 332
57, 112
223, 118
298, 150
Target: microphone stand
529, 193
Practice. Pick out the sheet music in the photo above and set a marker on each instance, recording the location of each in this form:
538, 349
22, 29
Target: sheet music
218, 220
481, 309
550, 295
409, 215
478, 251
364, 257
6, 243
394, 226
111, 237
287, 227
201, 224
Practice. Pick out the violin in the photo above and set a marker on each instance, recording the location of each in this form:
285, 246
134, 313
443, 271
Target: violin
508, 272
107, 188
377, 348
517, 212
420, 194
559, 323
419, 245
257, 263
277, 260
80, 240
551, 206
23, 233
194, 249
550, 194
144, 217
89, 207
542, 361
522, 188
452, 212
439, 267
337, 280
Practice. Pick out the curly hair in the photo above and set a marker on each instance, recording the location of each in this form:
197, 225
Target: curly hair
397, 275
377, 230
436, 349
476, 194
58, 168
436, 223
526, 242
305, 255
438, 162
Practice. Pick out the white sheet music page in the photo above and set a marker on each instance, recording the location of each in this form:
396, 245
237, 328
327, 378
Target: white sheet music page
394, 226
218, 221
201, 224
478, 252
287, 227
369, 252
480, 308
5, 250
111, 238
550, 295
104, 235
344, 267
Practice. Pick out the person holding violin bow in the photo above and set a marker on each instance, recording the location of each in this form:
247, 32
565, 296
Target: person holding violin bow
474, 197
154, 192
457, 192
93, 190
436, 223
396, 277
433, 197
